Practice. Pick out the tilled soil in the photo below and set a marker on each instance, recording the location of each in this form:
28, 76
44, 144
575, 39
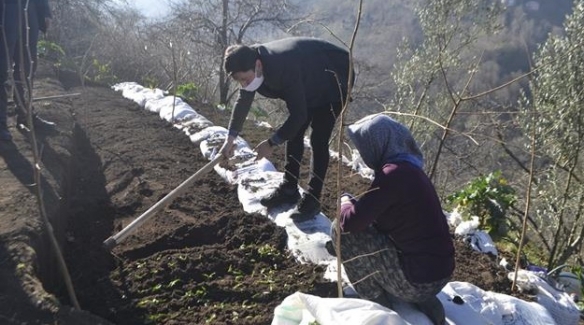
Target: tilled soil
201, 260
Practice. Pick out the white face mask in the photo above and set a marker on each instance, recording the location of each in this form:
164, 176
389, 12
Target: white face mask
254, 84
257, 80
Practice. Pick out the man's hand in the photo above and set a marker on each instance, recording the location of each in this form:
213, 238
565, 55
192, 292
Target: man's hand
228, 147
227, 150
264, 150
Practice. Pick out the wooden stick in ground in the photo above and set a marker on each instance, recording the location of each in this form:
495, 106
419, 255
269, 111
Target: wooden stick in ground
340, 150
37, 166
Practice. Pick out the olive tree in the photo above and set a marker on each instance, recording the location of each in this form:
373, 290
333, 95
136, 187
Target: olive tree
554, 113
440, 76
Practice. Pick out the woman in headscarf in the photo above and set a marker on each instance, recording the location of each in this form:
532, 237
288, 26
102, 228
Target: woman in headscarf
395, 240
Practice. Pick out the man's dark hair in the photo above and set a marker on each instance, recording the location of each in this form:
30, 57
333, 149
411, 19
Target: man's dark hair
239, 58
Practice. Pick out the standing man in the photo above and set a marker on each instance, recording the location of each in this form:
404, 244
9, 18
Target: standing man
311, 76
25, 58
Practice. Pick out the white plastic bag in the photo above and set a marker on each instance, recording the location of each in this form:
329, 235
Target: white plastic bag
300, 308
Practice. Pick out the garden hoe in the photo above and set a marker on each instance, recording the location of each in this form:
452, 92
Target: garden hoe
111, 242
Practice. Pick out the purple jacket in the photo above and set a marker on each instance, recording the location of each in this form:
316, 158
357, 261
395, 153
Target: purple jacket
402, 204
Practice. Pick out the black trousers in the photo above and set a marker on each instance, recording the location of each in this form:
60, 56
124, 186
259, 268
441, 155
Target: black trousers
10, 22
322, 121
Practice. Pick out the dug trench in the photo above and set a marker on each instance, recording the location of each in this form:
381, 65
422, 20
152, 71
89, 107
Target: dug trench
201, 260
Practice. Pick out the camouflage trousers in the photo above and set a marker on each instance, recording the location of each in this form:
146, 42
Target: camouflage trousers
372, 264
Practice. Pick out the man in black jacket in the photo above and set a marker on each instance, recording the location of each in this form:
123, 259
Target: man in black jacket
311, 76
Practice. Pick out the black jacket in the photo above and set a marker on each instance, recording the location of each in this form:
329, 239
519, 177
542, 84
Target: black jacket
307, 73
43, 11
39, 10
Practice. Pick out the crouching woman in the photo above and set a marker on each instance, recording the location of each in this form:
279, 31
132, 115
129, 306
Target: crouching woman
395, 241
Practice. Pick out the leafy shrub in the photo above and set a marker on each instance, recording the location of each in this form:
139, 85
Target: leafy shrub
47, 48
150, 82
187, 91
102, 72
487, 197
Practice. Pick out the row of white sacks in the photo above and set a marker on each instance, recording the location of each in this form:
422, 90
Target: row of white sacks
464, 303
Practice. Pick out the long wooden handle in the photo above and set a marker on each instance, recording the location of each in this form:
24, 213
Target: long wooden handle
117, 238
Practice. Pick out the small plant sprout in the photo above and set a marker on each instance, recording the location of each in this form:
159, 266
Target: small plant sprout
189, 294
149, 302
209, 276
247, 305
155, 318
268, 250
201, 294
234, 316
173, 283
211, 318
